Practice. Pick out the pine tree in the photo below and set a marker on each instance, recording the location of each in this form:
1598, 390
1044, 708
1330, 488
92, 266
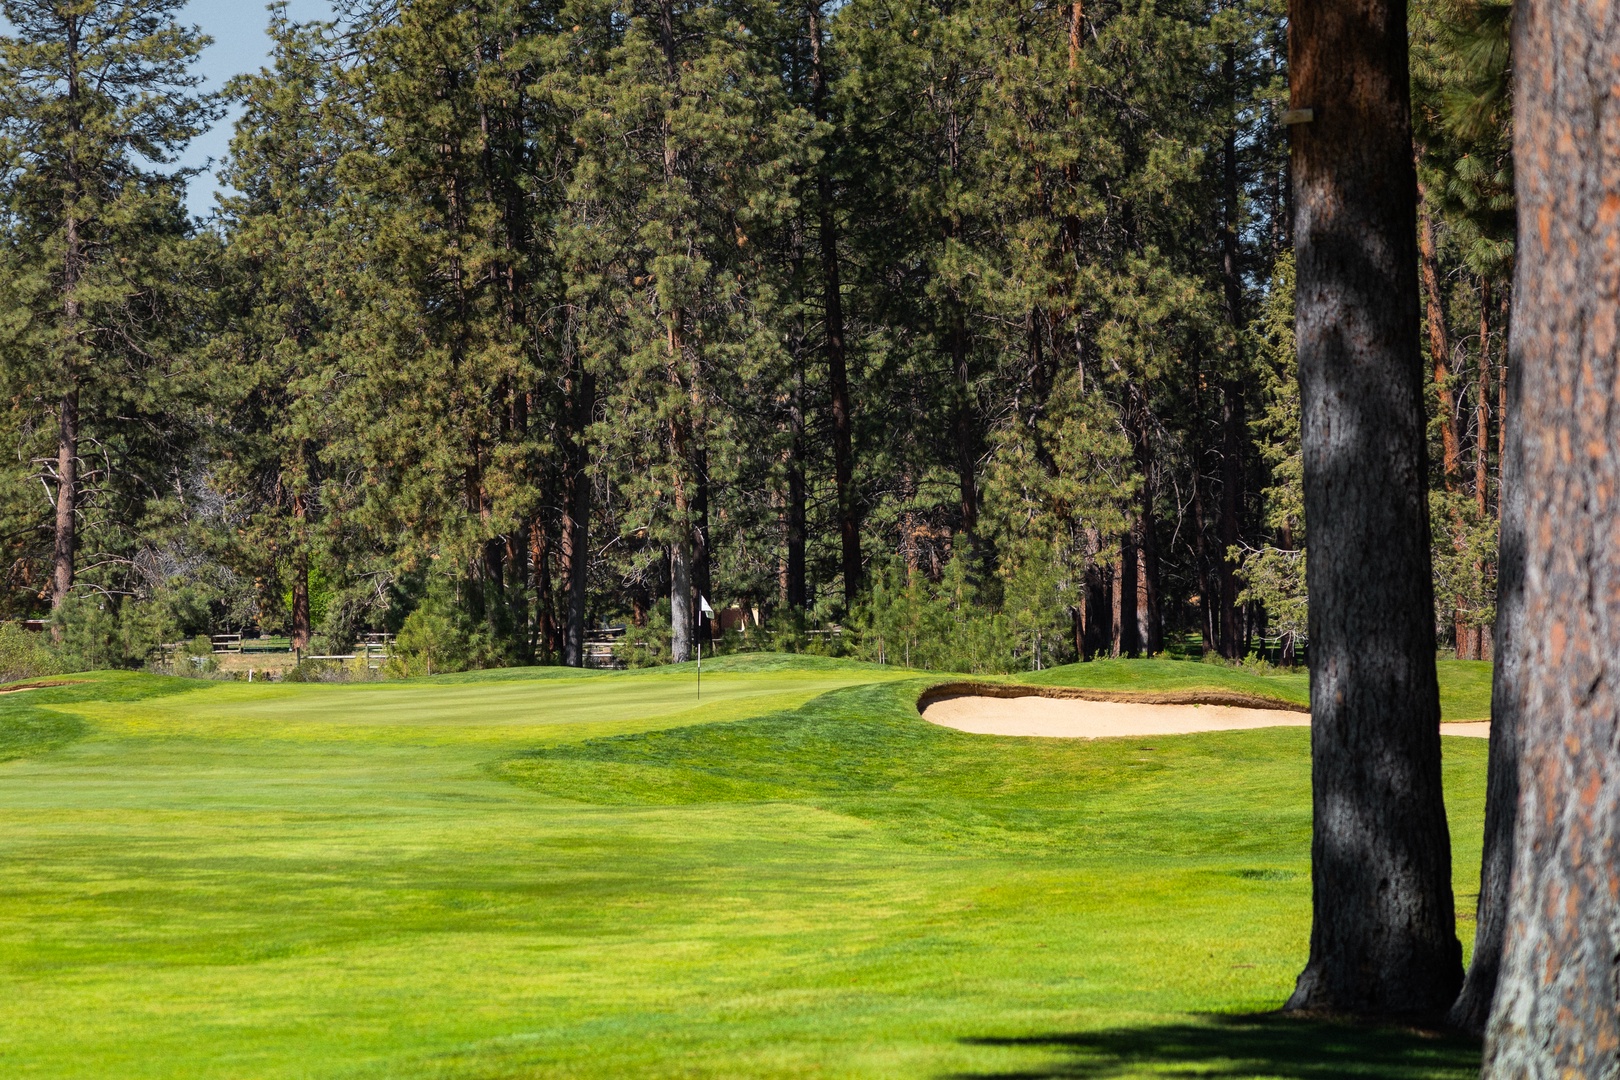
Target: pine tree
96, 98
686, 141
452, 196
283, 248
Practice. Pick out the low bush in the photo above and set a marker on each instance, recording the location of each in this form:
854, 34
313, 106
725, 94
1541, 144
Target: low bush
26, 654
439, 637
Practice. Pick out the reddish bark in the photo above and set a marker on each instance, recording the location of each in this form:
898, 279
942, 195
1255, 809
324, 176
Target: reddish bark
1555, 1012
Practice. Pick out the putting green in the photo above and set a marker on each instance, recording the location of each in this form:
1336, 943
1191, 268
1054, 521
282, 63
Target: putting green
527, 874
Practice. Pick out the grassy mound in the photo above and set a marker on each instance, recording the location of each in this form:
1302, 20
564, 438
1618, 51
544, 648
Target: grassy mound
1465, 685
31, 726
864, 753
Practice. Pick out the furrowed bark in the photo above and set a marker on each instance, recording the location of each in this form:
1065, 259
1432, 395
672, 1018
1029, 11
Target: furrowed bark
1383, 933
1473, 1005
1149, 612
1556, 1012
680, 598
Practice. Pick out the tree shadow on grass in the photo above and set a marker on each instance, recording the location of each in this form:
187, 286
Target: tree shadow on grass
1267, 1045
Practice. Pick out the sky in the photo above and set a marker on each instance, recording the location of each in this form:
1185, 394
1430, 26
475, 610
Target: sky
240, 44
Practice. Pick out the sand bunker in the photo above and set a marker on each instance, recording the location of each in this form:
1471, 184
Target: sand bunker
1045, 715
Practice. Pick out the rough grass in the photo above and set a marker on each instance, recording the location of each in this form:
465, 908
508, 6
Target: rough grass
530, 875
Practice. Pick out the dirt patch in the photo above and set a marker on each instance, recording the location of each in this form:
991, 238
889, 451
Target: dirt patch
37, 686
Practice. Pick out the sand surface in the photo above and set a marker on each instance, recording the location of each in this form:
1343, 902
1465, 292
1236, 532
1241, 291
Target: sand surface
1062, 718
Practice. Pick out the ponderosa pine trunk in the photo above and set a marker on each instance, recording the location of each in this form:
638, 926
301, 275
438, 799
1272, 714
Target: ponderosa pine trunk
1473, 1005
65, 548
1440, 351
577, 517
300, 601
1482, 405
1231, 515
702, 582
1149, 611
964, 431
1127, 629
794, 591
1556, 1011
849, 528
1383, 932
1232, 426
680, 599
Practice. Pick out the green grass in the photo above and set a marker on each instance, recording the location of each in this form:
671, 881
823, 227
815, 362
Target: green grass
543, 874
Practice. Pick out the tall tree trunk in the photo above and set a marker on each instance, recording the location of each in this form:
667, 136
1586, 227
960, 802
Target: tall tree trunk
849, 530
680, 597
517, 592
794, 590
546, 642
1555, 1012
494, 586
1127, 581
576, 520
1440, 349
1473, 1005
66, 541
1383, 932
1149, 611
1208, 587
1098, 627
1482, 401
702, 584
300, 575
965, 431
1231, 389
1231, 515
67, 499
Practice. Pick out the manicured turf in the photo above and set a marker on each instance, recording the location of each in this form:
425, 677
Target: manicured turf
543, 874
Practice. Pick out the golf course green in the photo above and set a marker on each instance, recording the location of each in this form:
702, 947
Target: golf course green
549, 873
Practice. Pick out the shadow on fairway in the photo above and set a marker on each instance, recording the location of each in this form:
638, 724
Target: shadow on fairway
1287, 1048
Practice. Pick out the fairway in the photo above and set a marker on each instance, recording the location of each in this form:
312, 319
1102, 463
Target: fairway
542, 873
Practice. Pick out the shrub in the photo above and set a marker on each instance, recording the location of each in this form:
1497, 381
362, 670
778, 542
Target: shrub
26, 654
439, 637
647, 646
100, 633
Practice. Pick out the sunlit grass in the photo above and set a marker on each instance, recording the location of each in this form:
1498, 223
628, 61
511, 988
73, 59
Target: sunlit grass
542, 874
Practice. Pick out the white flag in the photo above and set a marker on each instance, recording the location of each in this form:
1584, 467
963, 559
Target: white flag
703, 606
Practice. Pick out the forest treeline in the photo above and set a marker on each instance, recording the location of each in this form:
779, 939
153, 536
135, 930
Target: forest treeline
964, 325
